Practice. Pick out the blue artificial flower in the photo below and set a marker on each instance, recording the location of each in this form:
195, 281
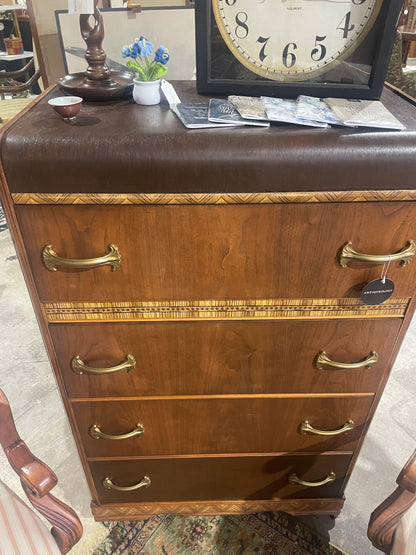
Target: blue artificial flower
125, 52
145, 48
145, 69
162, 55
134, 50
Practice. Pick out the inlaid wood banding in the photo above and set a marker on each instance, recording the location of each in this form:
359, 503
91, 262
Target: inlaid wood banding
223, 310
214, 198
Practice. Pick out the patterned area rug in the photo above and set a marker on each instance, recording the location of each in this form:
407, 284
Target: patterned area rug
3, 223
259, 534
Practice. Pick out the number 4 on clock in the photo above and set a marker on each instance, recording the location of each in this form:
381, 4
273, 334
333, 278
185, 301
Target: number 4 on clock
344, 25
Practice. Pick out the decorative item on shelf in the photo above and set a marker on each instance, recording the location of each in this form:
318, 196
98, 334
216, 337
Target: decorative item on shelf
99, 82
146, 88
146, 93
67, 107
6, 27
14, 45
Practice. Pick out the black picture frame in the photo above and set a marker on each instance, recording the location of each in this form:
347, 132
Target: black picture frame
379, 41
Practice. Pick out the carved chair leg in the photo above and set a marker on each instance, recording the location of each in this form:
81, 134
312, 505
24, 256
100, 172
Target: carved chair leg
385, 517
67, 528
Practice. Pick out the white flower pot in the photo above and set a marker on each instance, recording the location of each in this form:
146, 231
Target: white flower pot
146, 92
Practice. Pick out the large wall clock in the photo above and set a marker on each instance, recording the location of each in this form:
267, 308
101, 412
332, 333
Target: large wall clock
290, 47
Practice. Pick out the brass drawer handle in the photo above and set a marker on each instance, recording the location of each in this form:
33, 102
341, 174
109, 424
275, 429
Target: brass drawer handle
52, 260
79, 366
405, 255
321, 359
306, 428
293, 479
96, 433
144, 483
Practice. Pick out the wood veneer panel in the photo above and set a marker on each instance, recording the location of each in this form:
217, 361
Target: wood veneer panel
248, 478
225, 425
217, 252
190, 358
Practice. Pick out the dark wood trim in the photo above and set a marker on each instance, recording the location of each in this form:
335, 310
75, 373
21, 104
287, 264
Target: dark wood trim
401, 93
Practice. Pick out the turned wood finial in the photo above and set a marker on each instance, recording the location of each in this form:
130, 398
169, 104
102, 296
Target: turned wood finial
93, 36
98, 82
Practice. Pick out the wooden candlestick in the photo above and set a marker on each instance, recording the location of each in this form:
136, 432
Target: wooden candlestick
98, 82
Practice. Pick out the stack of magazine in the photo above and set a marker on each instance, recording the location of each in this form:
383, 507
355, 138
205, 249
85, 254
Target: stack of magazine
237, 111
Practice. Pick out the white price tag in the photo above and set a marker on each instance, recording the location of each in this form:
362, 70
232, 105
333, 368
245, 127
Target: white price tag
81, 6
169, 92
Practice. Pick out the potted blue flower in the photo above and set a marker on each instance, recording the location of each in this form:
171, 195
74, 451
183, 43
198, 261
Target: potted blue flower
148, 72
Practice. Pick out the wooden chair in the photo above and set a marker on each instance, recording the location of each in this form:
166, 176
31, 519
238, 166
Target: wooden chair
21, 530
392, 526
14, 86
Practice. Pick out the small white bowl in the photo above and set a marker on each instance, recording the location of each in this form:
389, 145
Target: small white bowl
67, 107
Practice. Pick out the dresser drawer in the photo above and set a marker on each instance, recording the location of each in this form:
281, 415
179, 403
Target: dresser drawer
191, 358
216, 252
219, 425
198, 479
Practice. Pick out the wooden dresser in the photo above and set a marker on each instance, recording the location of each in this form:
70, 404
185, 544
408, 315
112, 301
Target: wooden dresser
199, 297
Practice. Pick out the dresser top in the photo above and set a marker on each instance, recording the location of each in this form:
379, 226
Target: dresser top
120, 147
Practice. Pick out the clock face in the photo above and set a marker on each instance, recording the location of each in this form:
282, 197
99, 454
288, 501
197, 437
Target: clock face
293, 40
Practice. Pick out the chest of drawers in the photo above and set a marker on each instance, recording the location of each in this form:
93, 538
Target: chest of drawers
199, 296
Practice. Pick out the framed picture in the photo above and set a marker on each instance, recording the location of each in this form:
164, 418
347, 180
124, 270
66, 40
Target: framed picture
257, 47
